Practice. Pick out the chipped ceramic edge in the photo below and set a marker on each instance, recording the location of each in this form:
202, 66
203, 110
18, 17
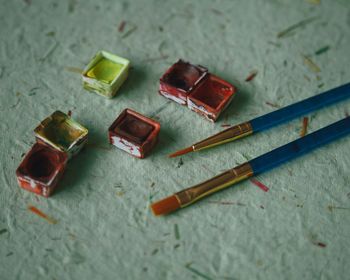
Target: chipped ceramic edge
126, 146
77, 148
36, 183
173, 98
37, 186
45, 191
201, 110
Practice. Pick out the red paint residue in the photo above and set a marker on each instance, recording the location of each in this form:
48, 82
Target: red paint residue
225, 125
131, 148
304, 128
259, 184
121, 26
251, 76
41, 214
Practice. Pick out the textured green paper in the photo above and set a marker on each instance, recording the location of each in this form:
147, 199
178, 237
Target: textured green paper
105, 229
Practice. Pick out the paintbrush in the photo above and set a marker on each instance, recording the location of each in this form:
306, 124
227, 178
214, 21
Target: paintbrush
253, 167
271, 119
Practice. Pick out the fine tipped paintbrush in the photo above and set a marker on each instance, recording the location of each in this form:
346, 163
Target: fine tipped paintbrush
253, 167
271, 119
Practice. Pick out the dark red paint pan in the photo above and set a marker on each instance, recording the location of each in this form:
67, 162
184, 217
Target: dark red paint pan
180, 79
211, 97
41, 169
134, 133
194, 86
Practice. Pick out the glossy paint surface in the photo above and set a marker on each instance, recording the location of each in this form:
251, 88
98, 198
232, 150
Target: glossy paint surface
105, 70
62, 132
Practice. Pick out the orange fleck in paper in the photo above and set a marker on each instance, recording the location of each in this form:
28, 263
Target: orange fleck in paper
304, 128
259, 184
41, 214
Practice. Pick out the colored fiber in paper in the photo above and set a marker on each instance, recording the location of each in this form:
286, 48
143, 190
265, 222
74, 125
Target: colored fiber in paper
121, 26
74, 70
129, 32
177, 232
227, 203
312, 65
289, 30
304, 128
320, 244
272, 104
197, 272
41, 214
259, 184
251, 76
322, 50
105, 70
331, 208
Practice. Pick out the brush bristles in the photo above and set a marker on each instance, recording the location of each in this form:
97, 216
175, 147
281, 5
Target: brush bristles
165, 206
181, 152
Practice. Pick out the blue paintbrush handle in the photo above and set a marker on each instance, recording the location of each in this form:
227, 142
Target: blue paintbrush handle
300, 146
300, 108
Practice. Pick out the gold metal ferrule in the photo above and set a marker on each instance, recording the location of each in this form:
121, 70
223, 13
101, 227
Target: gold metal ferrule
228, 178
227, 135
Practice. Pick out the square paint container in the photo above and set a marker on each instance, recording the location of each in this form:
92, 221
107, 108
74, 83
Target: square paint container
41, 169
62, 133
105, 74
180, 79
211, 97
134, 133
194, 86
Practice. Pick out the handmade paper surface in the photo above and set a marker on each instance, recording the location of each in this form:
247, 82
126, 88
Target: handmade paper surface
298, 229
